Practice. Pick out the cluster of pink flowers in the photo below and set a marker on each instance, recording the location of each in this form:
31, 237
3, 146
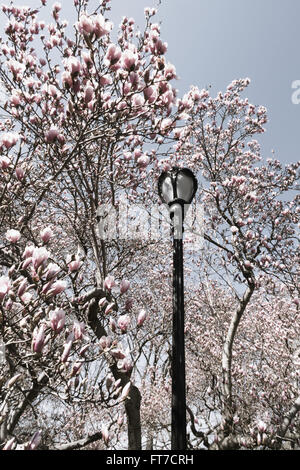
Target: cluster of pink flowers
57, 320
109, 283
46, 234
124, 286
97, 25
39, 256
123, 323
9, 139
17, 68
13, 235
5, 285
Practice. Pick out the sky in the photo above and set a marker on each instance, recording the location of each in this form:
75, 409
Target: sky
212, 42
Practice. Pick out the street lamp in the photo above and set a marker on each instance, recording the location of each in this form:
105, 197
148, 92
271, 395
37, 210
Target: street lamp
177, 188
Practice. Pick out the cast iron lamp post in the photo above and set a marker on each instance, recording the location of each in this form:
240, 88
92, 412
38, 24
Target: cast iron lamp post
177, 187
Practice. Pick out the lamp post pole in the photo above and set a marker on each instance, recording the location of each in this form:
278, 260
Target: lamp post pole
178, 439
177, 188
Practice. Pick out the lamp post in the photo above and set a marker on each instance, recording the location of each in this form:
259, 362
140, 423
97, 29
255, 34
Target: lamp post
177, 187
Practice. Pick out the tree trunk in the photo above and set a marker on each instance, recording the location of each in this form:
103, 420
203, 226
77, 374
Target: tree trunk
133, 402
228, 407
132, 407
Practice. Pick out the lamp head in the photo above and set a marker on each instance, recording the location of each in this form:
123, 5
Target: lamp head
177, 186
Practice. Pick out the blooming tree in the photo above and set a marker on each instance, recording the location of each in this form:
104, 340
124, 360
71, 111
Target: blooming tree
74, 136
91, 117
252, 235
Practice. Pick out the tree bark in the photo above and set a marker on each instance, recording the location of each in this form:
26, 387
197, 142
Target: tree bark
228, 409
287, 421
133, 402
79, 443
132, 407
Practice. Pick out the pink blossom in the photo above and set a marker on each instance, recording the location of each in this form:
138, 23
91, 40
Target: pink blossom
76, 368
57, 320
10, 444
26, 297
67, 347
105, 342
141, 317
76, 86
105, 80
28, 251
46, 234
102, 302
109, 308
35, 440
4, 162
15, 99
123, 323
22, 288
4, 286
165, 124
74, 265
138, 100
13, 236
117, 353
105, 434
66, 79
248, 264
78, 330
158, 47
261, 426
125, 391
109, 283
126, 88
113, 55
58, 287
170, 71
38, 339
143, 161
86, 56
84, 349
47, 287
85, 25
73, 65
125, 365
53, 91
9, 139
129, 60
39, 255
17, 68
124, 286
112, 325
150, 94
88, 93
19, 173
101, 27
51, 134
52, 270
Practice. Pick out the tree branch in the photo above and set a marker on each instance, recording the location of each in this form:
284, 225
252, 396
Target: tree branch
80, 443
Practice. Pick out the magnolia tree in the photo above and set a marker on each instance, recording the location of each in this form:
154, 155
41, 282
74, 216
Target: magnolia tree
252, 262
90, 118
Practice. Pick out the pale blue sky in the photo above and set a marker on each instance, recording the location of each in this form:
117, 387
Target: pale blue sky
212, 42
